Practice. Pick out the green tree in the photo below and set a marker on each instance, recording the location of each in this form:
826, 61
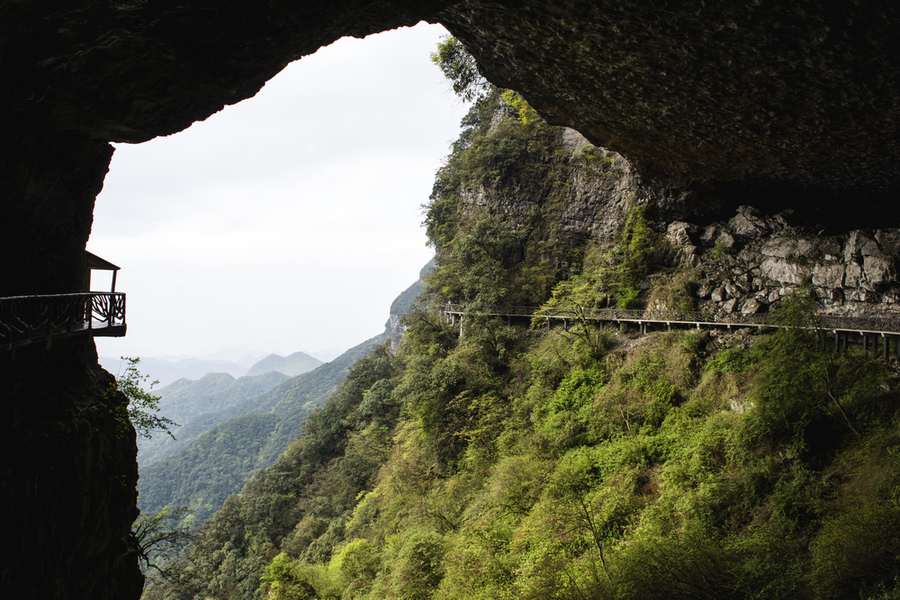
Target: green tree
460, 68
143, 406
803, 383
162, 537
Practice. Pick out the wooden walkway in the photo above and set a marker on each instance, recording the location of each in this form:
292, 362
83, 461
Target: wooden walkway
846, 329
28, 320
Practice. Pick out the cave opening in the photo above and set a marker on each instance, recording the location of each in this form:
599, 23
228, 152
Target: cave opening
288, 221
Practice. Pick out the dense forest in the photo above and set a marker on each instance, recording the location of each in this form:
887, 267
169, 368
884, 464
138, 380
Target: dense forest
231, 428
491, 458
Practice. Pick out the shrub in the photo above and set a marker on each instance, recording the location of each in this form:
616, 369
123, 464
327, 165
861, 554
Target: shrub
418, 568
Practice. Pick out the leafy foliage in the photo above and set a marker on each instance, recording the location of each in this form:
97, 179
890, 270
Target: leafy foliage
806, 389
162, 537
249, 436
615, 274
143, 406
487, 255
460, 68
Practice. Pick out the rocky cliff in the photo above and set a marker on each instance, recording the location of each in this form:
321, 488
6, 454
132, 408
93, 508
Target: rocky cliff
67, 478
743, 263
716, 105
747, 263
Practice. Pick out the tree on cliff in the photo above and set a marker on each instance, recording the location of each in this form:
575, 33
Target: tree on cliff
460, 68
162, 537
142, 405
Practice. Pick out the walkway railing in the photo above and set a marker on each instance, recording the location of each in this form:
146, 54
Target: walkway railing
834, 322
30, 319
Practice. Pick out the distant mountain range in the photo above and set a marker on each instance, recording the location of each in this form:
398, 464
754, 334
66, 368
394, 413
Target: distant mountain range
238, 420
170, 369
293, 365
228, 431
194, 404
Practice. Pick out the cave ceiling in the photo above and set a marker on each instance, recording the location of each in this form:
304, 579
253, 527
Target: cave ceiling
801, 95
804, 94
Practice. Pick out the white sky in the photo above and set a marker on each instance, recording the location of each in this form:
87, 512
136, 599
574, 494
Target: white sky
289, 221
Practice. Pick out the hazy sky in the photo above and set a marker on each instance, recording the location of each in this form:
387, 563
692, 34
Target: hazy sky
289, 221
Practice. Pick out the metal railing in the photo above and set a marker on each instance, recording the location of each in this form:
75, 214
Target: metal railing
823, 321
29, 319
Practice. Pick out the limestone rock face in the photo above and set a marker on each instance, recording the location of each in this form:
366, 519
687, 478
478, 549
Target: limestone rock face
852, 273
594, 201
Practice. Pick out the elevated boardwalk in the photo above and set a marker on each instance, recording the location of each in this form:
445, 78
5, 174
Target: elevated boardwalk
845, 329
28, 320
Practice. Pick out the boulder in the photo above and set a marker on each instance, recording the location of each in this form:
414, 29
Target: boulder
828, 275
747, 223
679, 233
751, 307
781, 270
877, 270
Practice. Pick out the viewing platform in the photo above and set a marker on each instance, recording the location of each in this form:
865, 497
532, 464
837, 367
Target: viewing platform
36, 319
33, 319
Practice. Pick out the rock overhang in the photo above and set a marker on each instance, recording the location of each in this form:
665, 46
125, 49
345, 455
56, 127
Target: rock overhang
128, 71
752, 100
715, 103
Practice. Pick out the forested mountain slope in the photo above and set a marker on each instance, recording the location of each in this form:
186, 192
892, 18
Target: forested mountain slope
194, 404
229, 444
490, 458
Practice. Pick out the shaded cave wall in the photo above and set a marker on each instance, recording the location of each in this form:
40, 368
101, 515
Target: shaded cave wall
67, 467
67, 478
714, 104
772, 104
